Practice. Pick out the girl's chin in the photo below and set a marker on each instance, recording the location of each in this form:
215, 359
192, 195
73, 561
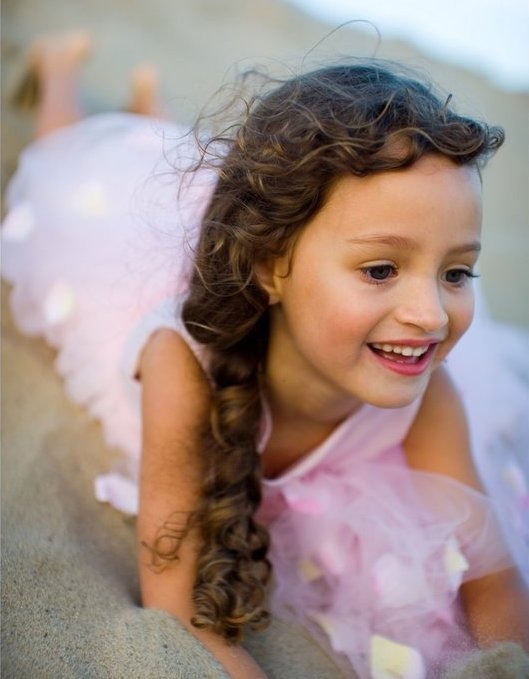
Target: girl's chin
391, 404
399, 398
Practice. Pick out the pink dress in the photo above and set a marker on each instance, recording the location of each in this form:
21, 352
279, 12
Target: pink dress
368, 553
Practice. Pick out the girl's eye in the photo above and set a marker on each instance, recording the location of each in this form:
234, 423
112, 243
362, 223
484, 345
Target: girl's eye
459, 276
379, 273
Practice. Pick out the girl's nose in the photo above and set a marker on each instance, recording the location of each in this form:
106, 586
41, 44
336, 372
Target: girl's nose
422, 306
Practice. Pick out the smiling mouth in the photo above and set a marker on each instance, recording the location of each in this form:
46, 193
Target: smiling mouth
402, 353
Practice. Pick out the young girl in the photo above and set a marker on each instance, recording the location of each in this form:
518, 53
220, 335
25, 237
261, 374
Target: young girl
285, 313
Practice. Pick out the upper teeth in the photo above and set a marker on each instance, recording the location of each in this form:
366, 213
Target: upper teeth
401, 349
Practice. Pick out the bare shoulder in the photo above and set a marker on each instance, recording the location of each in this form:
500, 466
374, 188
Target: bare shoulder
175, 402
166, 350
438, 440
172, 379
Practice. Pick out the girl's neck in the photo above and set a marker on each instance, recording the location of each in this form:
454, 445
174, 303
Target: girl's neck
299, 426
296, 393
293, 398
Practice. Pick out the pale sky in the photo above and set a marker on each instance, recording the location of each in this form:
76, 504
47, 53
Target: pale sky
488, 36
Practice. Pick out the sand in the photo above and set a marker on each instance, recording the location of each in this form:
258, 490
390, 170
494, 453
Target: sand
69, 585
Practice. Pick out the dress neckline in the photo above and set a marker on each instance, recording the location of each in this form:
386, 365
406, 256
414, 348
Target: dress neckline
313, 457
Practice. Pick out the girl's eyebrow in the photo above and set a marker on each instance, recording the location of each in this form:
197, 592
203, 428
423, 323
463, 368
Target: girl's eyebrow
408, 243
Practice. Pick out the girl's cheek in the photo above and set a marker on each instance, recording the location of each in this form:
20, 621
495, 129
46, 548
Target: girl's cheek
467, 313
461, 318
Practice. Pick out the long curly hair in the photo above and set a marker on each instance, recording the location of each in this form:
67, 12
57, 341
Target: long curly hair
277, 167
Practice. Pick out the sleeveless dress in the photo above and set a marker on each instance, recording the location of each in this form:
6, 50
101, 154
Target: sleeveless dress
367, 553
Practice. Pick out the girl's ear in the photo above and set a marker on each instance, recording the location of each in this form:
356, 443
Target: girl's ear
270, 277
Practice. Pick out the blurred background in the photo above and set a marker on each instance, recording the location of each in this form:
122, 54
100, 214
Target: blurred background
476, 49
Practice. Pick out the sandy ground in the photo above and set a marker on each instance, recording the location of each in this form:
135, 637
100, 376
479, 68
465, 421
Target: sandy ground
68, 562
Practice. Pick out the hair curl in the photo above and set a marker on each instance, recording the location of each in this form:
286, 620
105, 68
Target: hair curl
281, 160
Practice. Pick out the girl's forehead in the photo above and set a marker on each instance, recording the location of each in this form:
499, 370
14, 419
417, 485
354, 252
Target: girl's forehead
429, 168
428, 179
434, 192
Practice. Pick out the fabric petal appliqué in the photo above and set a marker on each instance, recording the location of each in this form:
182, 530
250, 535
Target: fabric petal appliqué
120, 491
391, 660
19, 223
308, 570
91, 199
303, 504
59, 303
339, 633
395, 583
455, 563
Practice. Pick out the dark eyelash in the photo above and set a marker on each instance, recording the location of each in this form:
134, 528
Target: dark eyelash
374, 281
467, 273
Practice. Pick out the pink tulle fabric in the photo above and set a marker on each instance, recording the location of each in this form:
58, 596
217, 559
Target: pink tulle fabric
97, 245
362, 546
369, 554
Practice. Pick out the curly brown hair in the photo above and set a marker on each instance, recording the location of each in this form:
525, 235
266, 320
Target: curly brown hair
295, 140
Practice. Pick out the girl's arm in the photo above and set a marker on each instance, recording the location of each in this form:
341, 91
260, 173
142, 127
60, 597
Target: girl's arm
175, 400
497, 605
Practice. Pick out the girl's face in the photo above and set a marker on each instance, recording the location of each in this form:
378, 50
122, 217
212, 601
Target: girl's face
379, 287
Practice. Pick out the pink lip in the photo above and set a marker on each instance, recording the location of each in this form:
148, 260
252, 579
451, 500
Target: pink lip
408, 369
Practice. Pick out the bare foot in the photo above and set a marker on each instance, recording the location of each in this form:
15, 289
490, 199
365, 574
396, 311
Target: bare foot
145, 97
59, 53
50, 58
